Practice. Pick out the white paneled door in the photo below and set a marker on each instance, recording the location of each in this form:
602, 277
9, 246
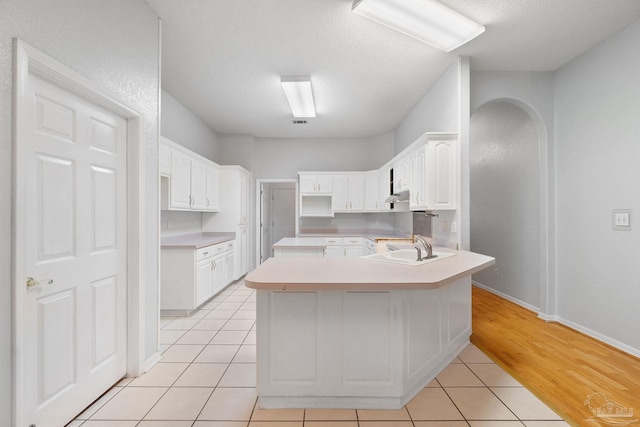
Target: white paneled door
72, 244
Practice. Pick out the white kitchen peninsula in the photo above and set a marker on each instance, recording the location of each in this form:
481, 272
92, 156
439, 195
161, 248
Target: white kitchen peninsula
356, 333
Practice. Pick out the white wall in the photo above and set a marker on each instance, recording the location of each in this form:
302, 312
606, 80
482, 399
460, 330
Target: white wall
280, 158
597, 118
445, 108
238, 150
95, 39
183, 127
437, 111
504, 199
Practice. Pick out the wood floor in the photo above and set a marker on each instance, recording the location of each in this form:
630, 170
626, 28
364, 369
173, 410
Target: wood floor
559, 365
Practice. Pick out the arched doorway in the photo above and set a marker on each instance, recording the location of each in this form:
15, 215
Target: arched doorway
505, 203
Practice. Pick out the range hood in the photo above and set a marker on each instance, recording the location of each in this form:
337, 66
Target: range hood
400, 197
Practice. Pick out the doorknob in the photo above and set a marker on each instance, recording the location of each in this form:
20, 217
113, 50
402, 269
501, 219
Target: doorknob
31, 282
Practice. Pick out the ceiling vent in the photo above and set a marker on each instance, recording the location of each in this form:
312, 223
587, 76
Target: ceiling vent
299, 122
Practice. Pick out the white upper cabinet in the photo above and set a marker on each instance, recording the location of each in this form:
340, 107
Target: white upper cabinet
348, 193
401, 172
198, 185
371, 193
193, 182
428, 169
418, 180
316, 184
384, 188
443, 174
316, 194
180, 181
213, 190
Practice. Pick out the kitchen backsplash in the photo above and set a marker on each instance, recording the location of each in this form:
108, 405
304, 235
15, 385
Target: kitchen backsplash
349, 223
174, 223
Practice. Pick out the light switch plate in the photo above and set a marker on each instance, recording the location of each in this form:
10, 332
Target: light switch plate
621, 219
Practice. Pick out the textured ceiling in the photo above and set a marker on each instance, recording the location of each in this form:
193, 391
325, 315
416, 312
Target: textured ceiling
222, 59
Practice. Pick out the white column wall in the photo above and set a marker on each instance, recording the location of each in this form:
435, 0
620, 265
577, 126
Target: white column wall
95, 39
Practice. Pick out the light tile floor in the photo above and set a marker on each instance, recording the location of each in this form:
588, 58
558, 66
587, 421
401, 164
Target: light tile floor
207, 378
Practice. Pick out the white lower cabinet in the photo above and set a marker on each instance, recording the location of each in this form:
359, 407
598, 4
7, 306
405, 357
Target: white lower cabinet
191, 276
334, 247
353, 247
229, 265
357, 349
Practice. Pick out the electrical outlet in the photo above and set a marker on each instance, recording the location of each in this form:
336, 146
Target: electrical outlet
169, 224
497, 272
621, 219
454, 227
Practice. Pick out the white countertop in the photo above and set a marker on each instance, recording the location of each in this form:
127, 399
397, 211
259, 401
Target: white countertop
372, 235
196, 240
362, 274
300, 243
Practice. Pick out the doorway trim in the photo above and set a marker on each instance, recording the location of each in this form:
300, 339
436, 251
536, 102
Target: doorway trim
258, 233
28, 60
547, 306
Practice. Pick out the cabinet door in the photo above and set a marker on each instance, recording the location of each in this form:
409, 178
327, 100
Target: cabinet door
211, 200
371, 197
180, 181
384, 189
198, 185
443, 172
334, 252
356, 193
245, 250
340, 193
324, 183
218, 273
419, 180
244, 198
204, 280
307, 184
228, 268
353, 251
405, 166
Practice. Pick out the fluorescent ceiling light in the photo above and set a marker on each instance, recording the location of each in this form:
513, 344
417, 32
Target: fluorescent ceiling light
299, 95
425, 20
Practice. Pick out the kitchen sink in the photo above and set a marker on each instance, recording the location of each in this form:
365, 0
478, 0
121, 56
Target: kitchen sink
407, 257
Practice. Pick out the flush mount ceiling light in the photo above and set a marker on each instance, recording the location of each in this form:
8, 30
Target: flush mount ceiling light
299, 94
425, 20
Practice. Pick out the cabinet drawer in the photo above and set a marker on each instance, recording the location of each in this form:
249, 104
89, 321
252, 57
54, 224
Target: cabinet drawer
209, 251
333, 241
353, 241
229, 245
370, 244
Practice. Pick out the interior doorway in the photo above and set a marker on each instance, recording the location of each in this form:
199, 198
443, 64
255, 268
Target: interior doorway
505, 200
77, 247
277, 214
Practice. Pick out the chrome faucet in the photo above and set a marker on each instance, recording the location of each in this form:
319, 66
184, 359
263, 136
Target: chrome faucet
427, 247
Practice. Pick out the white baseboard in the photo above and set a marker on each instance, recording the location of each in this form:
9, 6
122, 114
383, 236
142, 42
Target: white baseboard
150, 362
600, 337
507, 297
575, 326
